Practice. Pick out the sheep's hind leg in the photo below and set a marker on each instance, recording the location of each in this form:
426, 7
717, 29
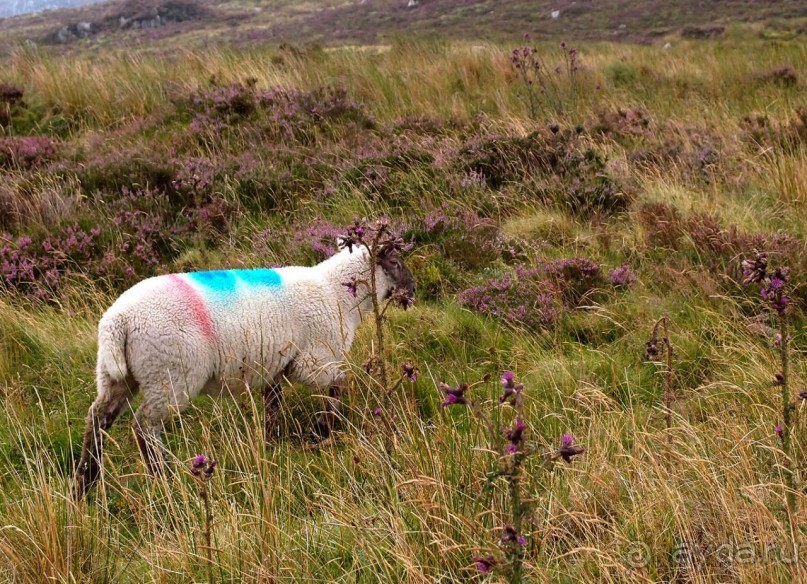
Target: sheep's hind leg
272, 398
327, 420
113, 395
148, 426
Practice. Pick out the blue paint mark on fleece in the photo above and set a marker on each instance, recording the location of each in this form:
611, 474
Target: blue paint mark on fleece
225, 281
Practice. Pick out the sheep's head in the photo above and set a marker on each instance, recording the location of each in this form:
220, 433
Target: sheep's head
401, 282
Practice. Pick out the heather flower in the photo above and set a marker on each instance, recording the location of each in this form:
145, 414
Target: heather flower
486, 564
511, 389
622, 276
410, 372
777, 339
454, 395
516, 437
378, 411
567, 449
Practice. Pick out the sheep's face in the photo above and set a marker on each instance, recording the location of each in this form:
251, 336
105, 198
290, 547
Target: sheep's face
398, 276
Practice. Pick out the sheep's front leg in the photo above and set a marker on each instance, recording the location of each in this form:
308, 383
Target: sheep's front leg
326, 421
272, 397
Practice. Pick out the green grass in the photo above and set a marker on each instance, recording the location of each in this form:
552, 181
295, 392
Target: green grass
351, 510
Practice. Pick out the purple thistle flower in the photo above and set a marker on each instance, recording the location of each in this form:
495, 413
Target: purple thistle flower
567, 449
210, 468
352, 287
410, 372
510, 535
515, 435
455, 396
202, 467
755, 270
511, 389
484, 565
377, 411
779, 430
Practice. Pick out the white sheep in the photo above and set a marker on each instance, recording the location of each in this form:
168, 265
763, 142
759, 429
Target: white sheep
175, 336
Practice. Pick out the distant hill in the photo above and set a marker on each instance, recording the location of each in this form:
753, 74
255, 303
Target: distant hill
17, 7
161, 23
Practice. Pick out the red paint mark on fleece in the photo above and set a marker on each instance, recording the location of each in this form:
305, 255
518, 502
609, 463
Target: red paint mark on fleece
196, 304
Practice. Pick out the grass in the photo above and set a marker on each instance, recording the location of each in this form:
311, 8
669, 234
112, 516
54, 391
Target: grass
702, 500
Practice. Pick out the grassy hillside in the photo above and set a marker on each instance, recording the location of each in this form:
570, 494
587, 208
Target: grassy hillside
551, 225
183, 23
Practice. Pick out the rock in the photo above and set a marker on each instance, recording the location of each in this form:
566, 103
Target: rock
555, 14
63, 35
84, 29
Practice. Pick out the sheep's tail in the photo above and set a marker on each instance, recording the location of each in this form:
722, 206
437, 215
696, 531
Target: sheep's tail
112, 346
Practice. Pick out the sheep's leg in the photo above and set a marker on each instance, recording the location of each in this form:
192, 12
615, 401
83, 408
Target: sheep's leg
272, 397
112, 396
326, 421
148, 426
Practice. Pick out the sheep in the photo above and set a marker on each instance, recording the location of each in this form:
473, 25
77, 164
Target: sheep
175, 336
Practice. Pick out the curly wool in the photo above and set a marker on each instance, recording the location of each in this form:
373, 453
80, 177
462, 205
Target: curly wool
180, 335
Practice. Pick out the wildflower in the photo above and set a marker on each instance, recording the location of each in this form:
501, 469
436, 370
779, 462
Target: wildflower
377, 411
779, 380
352, 287
509, 534
651, 349
803, 395
410, 372
347, 242
484, 565
403, 298
455, 396
511, 389
755, 270
779, 430
777, 339
622, 276
202, 467
567, 449
516, 436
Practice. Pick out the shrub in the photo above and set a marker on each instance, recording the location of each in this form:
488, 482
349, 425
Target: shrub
26, 152
561, 169
10, 100
535, 297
